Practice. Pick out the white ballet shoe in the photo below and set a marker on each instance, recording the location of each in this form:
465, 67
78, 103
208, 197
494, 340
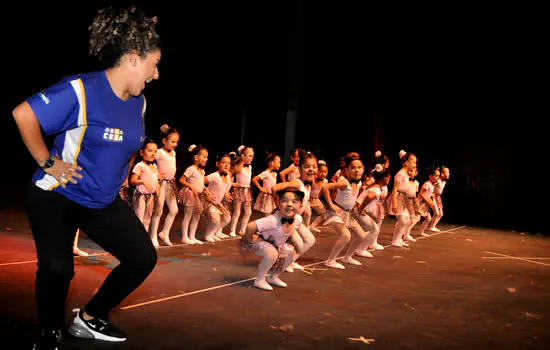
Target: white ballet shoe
297, 266
289, 268
262, 285
351, 261
155, 242
187, 241
424, 234
164, 237
404, 244
210, 239
334, 264
216, 238
276, 281
79, 252
364, 253
377, 246
197, 241
410, 239
232, 234
397, 244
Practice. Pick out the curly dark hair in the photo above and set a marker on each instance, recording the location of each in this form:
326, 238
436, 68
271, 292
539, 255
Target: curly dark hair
117, 31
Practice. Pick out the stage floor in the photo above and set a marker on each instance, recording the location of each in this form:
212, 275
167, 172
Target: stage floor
461, 288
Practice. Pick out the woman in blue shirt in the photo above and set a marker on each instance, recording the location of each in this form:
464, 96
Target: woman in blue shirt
96, 121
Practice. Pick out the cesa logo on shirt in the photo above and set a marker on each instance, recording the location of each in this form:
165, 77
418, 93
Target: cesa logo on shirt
113, 134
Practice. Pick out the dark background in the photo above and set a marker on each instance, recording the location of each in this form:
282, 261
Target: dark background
456, 85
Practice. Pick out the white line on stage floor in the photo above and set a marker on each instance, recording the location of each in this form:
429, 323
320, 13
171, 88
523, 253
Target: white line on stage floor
517, 258
248, 279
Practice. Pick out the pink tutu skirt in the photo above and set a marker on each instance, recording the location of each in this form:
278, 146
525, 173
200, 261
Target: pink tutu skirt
255, 243
423, 207
265, 203
405, 205
378, 212
150, 200
187, 198
344, 217
241, 194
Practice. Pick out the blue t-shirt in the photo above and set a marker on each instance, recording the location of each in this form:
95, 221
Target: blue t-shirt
93, 128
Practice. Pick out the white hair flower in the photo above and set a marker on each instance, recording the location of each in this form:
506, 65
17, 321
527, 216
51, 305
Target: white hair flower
241, 148
402, 153
164, 128
378, 168
232, 153
321, 162
378, 154
192, 148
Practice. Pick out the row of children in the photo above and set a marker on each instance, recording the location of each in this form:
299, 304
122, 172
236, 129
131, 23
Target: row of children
354, 202
355, 205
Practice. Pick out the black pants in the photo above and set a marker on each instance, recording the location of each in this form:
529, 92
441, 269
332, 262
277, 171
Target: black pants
54, 220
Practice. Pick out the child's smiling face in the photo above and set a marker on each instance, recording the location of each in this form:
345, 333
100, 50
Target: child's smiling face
289, 204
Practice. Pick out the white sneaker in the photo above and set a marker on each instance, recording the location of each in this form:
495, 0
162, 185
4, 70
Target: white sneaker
334, 264
364, 253
276, 281
262, 285
351, 261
